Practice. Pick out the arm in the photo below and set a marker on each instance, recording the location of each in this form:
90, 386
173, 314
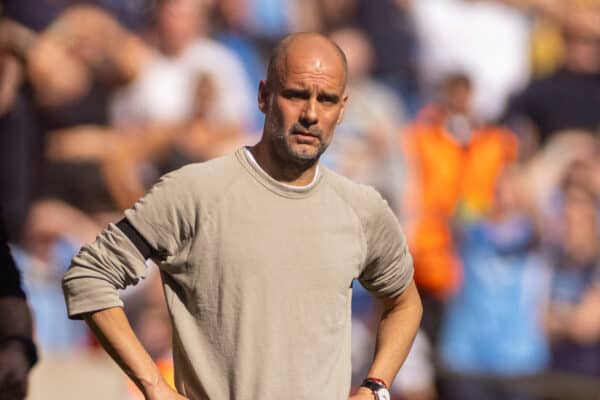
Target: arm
11, 76
114, 261
397, 329
579, 323
16, 38
388, 275
153, 229
17, 352
112, 329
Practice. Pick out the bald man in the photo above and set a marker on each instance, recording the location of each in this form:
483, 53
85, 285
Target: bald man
257, 252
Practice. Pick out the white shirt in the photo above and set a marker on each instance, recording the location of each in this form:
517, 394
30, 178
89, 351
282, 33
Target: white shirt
487, 41
165, 89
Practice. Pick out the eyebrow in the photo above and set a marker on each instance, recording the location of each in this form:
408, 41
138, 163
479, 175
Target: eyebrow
305, 93
296, 92
332, 97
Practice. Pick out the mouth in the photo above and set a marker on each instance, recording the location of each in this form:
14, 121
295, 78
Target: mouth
305, 136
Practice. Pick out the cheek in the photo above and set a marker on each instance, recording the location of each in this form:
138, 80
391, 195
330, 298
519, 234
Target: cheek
287, 114
330, 120
273, 113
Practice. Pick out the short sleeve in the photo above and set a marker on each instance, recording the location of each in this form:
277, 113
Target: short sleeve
388, 267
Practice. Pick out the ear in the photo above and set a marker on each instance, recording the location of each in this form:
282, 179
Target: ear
341, 115
263, 96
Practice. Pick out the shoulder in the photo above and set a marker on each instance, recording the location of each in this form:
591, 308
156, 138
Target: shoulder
208, 52
205, 178
363, 199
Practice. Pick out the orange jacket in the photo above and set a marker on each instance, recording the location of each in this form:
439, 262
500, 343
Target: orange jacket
446, 177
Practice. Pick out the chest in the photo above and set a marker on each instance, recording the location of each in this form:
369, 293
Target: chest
269, 242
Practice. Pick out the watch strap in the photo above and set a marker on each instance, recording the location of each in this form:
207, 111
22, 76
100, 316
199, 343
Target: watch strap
377, 386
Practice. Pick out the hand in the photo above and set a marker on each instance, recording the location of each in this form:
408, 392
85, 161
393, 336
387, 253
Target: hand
363, 394
163, 392
10, 82
56, 75
14, 370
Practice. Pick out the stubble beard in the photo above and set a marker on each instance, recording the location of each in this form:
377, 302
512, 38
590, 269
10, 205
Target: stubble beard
285, 152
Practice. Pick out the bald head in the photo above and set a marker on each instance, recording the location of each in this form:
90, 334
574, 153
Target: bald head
303, 47
303, 98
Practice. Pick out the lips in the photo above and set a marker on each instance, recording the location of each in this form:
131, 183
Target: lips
305, 134
304, 137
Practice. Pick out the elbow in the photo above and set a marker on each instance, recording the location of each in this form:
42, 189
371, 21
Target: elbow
86, 292
418, 306
409, 301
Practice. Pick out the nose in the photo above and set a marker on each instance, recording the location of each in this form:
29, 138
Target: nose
309, 117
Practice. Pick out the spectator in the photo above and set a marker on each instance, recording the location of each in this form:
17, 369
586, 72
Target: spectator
17, 350
163, 90
493, 326
573, 321
53, 233
232, 33
20, 156
269, 20
38, 14
570, 97
486, 39
473, 155
389, 26
364, 149
76, 98
548, 166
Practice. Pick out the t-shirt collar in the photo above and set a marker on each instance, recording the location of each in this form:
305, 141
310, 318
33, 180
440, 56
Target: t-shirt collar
248, 160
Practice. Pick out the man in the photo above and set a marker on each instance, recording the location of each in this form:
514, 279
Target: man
473, 154
182, 56
17, 351
258, 251
540, 111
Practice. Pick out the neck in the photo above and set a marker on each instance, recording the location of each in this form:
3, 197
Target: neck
280, 170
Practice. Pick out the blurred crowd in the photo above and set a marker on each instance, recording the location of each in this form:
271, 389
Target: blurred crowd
477, 120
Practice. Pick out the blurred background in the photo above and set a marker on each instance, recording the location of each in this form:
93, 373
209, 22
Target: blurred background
477, 120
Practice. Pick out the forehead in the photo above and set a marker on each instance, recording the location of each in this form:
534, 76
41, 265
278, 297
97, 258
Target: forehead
308, 67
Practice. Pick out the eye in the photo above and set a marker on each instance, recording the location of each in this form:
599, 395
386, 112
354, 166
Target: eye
328, 99
293, 94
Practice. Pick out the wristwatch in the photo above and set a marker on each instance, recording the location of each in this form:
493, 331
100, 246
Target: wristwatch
378, 387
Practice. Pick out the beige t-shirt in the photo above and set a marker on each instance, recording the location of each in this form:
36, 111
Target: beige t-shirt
257, 276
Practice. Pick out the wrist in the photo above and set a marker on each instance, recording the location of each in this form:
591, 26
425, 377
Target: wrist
377, 387
376, 380
366, 392
151, 383
159, 391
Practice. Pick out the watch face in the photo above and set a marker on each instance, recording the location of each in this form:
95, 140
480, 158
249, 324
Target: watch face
382, 394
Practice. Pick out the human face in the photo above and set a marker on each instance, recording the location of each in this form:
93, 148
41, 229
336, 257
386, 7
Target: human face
179, 22
303, 108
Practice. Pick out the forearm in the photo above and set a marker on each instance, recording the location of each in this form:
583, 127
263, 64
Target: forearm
91, 286
397, 329
15, 38
113, 331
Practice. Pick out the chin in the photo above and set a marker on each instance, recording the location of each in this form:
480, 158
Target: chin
304, 153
